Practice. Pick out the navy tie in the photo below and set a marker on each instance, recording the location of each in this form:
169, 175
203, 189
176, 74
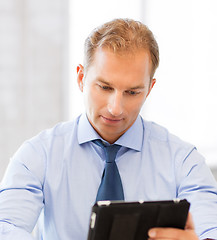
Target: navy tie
111, 186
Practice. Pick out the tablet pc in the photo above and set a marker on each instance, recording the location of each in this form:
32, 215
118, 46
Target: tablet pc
112, 220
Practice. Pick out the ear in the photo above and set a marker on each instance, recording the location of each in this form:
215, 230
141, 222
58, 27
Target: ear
80, 76
153, 81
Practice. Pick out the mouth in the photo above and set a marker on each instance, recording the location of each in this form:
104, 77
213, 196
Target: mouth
111, 120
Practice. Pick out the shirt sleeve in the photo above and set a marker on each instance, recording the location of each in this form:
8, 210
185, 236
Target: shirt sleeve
196, 183
21, 193
10, 232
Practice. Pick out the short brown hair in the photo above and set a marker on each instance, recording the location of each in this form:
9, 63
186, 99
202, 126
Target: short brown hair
122, 36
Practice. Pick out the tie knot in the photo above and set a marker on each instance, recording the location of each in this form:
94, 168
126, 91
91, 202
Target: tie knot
110, 150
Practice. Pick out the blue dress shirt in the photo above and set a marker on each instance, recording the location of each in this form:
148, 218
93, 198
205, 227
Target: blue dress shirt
58, 172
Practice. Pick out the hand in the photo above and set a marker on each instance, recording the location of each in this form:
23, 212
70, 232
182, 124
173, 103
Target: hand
174, 233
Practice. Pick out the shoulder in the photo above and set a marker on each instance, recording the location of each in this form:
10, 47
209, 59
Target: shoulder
60, 130
159, 136
58, 136
49, 144
160, 133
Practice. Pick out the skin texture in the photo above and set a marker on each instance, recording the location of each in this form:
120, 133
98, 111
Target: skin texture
115, 88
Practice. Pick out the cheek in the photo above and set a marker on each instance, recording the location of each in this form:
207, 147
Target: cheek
94, 100
135, 105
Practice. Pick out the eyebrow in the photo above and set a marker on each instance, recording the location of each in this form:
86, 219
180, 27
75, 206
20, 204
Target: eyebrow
132, 88
138, 87
103, 81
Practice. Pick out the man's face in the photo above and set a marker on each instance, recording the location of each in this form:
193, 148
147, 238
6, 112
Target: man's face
115, 88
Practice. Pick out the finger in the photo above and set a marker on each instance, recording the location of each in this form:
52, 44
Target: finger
189, 223
160, 239
172, 234
165, 233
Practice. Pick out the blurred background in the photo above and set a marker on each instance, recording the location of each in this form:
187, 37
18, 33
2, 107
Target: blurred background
41, 43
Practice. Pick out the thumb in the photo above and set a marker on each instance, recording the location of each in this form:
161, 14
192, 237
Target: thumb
189, 223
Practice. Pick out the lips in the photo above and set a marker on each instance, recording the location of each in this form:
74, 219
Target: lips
111, 120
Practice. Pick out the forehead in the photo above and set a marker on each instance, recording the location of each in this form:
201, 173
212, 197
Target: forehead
124, 70
138, 60
121, 53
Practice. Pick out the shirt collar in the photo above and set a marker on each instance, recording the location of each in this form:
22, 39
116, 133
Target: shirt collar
132, 138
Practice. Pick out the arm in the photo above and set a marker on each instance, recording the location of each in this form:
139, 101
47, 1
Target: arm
196, 183
21, 195
10, 232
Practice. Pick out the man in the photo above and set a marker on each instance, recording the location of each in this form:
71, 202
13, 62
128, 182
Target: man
59, 171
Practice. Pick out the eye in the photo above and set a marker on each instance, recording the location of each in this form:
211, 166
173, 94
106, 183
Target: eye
132, 93
106, 88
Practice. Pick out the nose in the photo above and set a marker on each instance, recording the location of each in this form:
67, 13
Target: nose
115, 105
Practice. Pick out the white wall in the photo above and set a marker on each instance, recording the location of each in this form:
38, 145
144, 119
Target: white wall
33, 70
184, 98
